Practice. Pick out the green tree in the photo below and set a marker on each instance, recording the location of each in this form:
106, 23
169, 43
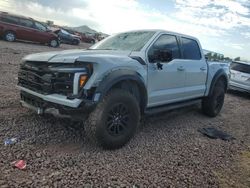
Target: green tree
227, 59
209, 56
237, 59
215, 57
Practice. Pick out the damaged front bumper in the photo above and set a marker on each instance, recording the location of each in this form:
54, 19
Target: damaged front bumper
54, 98
55, 104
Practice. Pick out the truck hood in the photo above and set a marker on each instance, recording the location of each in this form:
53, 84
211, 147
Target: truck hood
71, 56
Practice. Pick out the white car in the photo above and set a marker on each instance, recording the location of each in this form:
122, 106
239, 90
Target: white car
240, 76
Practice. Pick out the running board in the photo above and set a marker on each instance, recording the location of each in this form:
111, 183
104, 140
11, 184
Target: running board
155, 110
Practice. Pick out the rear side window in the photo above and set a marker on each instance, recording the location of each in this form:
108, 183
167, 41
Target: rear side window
26, 23
240, 67
191, 49
9, 19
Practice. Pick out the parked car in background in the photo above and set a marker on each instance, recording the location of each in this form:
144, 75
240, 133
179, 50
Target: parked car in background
88, 39
68, 38
15, 27
240, 76
83, 36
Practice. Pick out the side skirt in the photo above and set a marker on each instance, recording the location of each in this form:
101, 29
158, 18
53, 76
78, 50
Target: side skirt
155, 110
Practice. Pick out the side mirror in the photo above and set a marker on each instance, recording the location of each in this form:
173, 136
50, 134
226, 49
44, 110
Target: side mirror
165, 55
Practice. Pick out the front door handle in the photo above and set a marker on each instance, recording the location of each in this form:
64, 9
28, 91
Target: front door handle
181, 68
203, 68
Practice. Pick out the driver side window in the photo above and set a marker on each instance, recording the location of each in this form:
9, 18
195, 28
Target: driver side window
166, 44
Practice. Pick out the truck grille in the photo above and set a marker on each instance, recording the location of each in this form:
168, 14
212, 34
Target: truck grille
37, 77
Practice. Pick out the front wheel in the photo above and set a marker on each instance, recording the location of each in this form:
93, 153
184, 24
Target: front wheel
212, 105
115, 120
54, 43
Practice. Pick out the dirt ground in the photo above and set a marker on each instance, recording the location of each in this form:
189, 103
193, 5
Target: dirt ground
167, 151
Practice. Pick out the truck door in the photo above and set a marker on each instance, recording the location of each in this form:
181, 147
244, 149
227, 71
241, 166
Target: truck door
195, 66
166, 72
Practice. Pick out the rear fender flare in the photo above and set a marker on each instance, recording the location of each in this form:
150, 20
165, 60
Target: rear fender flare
218, 75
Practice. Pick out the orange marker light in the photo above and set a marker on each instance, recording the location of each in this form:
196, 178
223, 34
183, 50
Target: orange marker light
82, 80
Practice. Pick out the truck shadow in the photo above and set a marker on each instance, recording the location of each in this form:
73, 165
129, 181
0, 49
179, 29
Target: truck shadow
64, 136
239, 94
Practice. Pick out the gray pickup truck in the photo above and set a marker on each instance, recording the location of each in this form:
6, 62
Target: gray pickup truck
116, 81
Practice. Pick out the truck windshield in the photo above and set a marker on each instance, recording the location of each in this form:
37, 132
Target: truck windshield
130, 41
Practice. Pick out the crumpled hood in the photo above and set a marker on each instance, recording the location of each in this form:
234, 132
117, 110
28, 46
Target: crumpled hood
70, 56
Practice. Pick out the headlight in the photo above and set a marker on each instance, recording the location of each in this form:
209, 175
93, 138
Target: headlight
82, 80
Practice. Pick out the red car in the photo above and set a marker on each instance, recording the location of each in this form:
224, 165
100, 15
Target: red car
88, 39
14, 27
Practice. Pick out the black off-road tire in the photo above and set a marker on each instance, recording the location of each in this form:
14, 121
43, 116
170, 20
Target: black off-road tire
102, 126
212, 105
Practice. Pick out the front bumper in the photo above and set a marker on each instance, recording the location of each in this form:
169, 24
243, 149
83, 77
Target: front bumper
54, 98
239, 87
55, 104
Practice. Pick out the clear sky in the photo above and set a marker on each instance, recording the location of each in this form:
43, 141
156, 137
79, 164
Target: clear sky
221, 25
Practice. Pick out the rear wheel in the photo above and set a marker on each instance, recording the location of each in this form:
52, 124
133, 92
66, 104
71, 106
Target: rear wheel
10, 36
115, 120
212, 105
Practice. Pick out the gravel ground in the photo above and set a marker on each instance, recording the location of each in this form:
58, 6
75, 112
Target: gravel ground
167, 151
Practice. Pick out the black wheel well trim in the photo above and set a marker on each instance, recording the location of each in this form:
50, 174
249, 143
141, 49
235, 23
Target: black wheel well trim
117, 76
218, 75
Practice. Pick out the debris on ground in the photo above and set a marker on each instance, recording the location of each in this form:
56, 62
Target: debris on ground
214, 133
20, 164
10, 141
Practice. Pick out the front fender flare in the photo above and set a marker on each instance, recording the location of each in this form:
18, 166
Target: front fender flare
117, 76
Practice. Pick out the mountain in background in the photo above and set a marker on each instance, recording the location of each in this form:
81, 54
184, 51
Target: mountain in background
84, 29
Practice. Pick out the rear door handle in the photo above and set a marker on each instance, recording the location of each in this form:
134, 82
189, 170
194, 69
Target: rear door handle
203, 68
180, 68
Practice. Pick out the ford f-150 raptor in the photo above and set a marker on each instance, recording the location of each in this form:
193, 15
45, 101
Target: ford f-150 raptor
116, 81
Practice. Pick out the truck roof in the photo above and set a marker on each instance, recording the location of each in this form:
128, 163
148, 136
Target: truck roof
165, 31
